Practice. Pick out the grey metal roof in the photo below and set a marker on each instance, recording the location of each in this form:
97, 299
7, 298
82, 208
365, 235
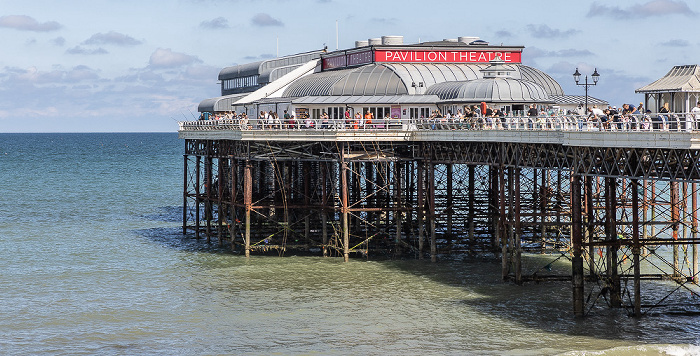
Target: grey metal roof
541, 78
493, 90
684, 78
577, 99
433, 73
239, 71
373, 79
368, 99
220, 103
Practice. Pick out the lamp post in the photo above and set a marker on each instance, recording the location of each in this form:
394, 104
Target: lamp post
585, 84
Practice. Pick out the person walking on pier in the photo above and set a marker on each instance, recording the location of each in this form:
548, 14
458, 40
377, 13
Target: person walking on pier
532, 115
694, 117
368, 120
664, 118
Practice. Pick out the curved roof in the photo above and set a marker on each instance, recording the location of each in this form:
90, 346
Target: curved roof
541, 78
492, 90
373, 79
398, 79
433, 73
242, 70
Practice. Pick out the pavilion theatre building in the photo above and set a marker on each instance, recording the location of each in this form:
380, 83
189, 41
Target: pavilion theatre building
386, 76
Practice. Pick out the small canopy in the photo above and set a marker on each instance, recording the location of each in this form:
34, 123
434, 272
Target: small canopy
684, 78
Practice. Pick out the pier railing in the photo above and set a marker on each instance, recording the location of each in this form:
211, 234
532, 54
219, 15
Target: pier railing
679, 122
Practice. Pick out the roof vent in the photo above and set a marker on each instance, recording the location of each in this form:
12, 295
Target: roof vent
361, 43
449, 40
375, 41
478, 43
466, 39
392, 40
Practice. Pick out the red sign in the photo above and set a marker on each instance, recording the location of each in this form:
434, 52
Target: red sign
408, 56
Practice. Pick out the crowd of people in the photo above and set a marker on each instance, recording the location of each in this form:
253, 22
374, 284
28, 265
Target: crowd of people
482, 117
628, 117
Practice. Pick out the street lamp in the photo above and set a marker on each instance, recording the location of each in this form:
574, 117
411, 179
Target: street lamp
595, 76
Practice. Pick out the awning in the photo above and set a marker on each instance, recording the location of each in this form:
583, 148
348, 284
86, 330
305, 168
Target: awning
576, 99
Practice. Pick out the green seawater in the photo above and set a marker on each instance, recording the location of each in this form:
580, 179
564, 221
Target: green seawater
93, 261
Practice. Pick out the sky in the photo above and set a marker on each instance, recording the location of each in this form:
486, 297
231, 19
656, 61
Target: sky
141, 66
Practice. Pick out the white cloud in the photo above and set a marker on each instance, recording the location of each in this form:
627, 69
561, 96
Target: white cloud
675, 43
112, 37
81, 50
59, 41
264, 20
544, 31
166, 58
218, 23
636, 11
26, 23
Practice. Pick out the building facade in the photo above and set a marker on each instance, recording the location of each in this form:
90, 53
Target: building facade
389, 78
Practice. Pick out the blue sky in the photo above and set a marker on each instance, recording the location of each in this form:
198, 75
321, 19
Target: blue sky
124, 66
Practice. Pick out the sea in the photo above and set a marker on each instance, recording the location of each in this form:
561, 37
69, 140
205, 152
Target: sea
93, 262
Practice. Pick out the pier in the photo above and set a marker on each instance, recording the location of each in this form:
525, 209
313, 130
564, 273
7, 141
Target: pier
608, 201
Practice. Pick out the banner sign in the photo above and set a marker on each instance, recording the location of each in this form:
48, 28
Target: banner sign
410, 56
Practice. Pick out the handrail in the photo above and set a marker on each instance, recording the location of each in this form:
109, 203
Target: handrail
671, 122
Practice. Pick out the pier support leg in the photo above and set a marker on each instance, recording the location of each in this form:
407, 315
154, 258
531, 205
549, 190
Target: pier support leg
674, 227
421, 209
431, 213
345, 211
248, 201
611, 207
577, 242
636, 247
501, 231
590, 224
694, 229
220, 202
517, 243
493, 207
207, 189
545, 189
449, 207
307, 202
232, 211
472, 197
184, 196
198, 196
397, 211
324, 207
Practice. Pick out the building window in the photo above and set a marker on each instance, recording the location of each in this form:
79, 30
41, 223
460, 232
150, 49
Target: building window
242, 82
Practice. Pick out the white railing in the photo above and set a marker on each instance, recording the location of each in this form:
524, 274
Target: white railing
674, 122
